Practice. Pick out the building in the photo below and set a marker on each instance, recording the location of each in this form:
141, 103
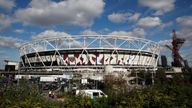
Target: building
87, 54
11, 65
164, 61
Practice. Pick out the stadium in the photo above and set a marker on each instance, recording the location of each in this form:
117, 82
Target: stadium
78, 53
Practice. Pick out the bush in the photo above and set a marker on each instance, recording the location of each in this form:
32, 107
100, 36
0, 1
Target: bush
166, 93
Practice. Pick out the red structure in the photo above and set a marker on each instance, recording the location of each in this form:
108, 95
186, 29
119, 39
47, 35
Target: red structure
176, 45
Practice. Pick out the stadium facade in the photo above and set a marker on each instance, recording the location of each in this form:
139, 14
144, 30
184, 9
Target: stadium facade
88, 52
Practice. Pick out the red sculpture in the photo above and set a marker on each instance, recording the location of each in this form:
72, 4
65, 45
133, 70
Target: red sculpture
176, 45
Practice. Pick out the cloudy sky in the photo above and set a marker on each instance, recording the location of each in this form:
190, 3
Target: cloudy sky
25, 20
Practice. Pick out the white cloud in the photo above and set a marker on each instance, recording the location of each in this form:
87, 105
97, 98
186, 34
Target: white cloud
134, 17
5, 22
185, 33
163, 44
7, 4
149, 22
50, 34
160, 6
47, 12
55, 34
137, 32
10, 42
104, 31
89, 32
123, 17
19, 31
118, 17
185, 21
123, 33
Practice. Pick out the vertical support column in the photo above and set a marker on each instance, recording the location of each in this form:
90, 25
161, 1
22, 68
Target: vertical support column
84, 41
69, 43
137, 82
152, 76
19, 71
100, 41
145, 71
